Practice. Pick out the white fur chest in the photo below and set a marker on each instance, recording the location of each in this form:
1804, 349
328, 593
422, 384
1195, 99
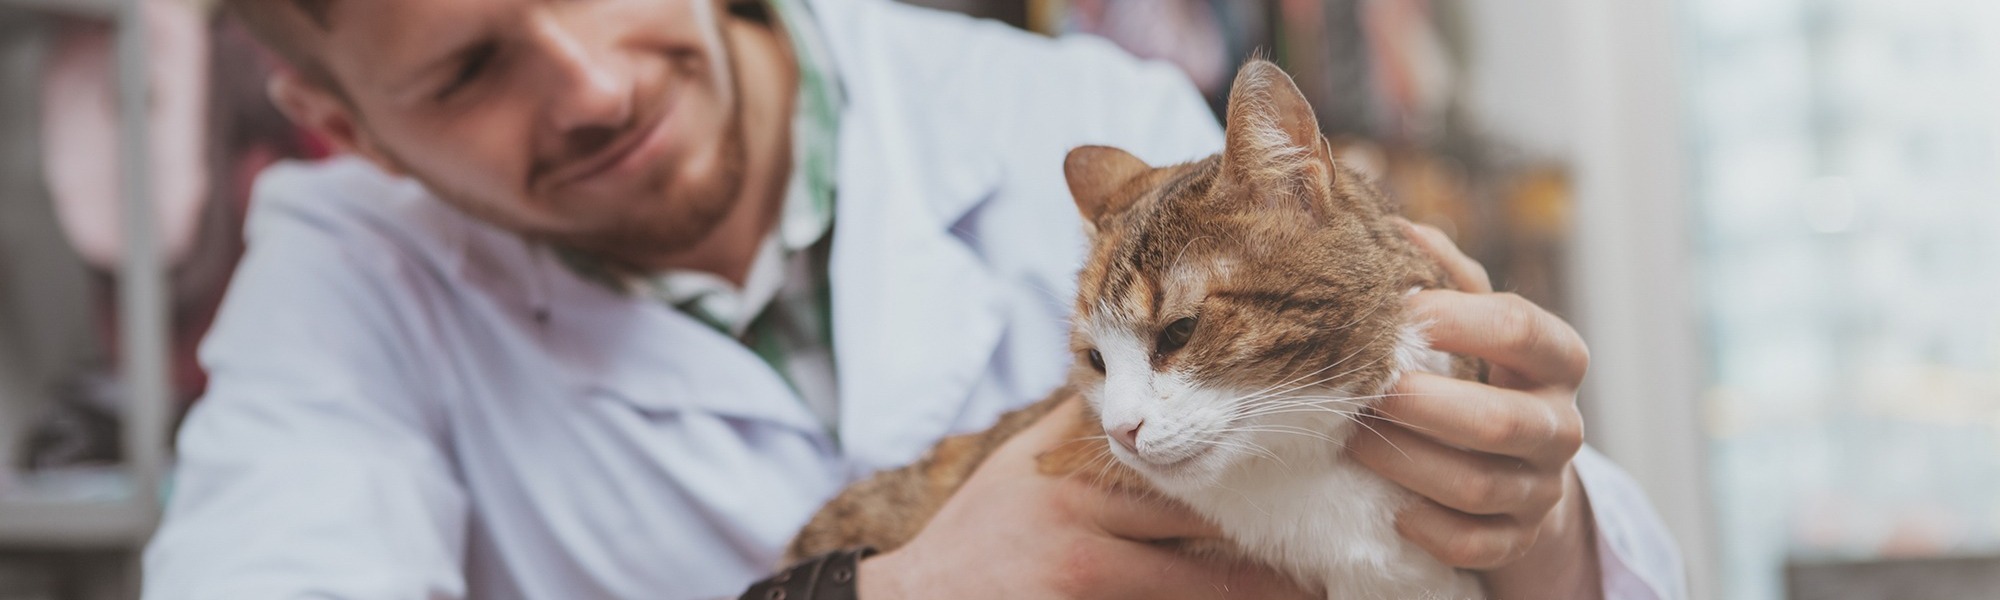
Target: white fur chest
1330, 522
1331, 527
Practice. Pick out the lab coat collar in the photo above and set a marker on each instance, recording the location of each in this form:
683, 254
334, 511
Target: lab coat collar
918, 313
609, 344
918, 316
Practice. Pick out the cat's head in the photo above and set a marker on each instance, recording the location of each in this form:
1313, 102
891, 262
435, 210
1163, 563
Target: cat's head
1244, 305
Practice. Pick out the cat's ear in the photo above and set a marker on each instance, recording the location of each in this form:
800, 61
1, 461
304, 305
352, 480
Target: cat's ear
1273, 141
1095, 175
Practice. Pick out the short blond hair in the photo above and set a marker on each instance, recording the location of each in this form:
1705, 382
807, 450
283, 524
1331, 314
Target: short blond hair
282, 26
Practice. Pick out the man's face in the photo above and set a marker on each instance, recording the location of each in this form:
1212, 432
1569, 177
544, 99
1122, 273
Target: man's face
607, 125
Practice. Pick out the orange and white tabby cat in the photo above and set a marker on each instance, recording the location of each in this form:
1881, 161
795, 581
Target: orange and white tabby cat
1235, 316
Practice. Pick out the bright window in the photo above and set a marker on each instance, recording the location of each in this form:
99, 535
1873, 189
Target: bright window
1846, 163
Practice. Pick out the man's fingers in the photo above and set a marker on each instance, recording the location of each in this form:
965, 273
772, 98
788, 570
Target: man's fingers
1236, 580
1466, 274
1150, 573
1051, 429
1470, 482
1506, 330
1481, 417
1134, 517
1462, 540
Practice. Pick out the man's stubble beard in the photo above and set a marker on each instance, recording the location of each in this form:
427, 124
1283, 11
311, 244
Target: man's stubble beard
662, 226
650, 228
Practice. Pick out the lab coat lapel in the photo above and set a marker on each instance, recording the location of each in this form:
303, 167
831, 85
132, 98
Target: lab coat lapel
636, 350
917, 313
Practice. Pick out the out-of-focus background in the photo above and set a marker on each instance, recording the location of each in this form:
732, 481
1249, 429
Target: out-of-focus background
1777, 222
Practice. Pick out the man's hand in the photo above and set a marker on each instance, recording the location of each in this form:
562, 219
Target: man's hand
1491, 461
1012, 532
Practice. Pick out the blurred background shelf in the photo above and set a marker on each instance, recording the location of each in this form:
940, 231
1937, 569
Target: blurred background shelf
73, 517
75, 525
86, 8
75, 508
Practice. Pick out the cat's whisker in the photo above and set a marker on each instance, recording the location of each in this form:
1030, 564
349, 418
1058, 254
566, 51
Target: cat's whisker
1300, 431
1336, 363
1245, 446
1378, 433
1255, 399
1184, 248
1102, 464
1298, 401
1289, 381
1314, 408
1098, 469
1287, 402
1358, 319
1284, 410
1283, 401
1259, 396
1247, 499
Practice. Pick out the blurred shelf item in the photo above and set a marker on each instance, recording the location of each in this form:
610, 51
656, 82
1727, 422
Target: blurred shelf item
105, 9
1940, 578
113, 507
75, 509
1012, 12
1046, 16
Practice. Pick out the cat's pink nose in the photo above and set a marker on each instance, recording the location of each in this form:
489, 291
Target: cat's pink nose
1127, 436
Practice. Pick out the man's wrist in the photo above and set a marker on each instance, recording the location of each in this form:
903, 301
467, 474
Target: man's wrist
877, 578
1564, 561
830, 576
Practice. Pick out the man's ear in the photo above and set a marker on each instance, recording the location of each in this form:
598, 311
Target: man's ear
314, 107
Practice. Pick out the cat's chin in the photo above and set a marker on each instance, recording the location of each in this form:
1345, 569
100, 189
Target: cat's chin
1193, 470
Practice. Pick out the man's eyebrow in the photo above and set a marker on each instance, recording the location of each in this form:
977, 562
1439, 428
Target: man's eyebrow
447, 57
319, 10
457, 53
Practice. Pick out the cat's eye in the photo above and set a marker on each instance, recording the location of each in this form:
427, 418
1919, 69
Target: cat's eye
1096, 360
1175, 335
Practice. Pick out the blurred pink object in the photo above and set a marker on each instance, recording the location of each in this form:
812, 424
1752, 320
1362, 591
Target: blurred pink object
1182, 32
80, 134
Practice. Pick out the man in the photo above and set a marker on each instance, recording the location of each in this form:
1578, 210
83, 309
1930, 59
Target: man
617, 292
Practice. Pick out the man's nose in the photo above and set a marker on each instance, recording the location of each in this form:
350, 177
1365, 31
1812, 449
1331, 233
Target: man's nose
1126, 435
591, 90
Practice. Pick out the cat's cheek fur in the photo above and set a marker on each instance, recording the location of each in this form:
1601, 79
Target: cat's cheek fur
1414, 353
1413, 349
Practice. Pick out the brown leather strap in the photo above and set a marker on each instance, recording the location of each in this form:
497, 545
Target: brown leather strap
828, 576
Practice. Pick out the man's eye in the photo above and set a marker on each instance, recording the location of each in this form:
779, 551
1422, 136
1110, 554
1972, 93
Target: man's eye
469, 70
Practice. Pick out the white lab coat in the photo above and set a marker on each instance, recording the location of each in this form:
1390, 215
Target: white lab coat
406, 403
